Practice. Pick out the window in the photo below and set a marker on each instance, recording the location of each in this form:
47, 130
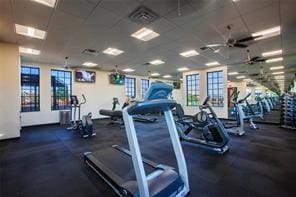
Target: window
144, 86
130, 87
192, 89
61, 89
30, 89
216, 88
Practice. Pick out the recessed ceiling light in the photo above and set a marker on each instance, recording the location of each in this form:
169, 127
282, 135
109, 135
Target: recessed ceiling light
182, 69
128, 70
272, 53
278, 59
212, 64
30, 31
166, 76
112, 51
156, 62
29, 51
274, 31
189, 53
145, 34
50, 3
155, 74
233, 73
278, 73
235, 0
276, 67
89, 64
241, 77
181, 79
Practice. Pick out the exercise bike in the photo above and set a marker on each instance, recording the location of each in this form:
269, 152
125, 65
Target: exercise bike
213, 135
85, 125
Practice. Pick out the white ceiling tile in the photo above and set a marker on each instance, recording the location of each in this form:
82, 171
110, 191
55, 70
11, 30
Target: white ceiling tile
36, 15
79, 8
120, 7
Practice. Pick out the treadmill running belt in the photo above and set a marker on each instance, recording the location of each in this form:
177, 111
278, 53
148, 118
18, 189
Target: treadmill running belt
119, 163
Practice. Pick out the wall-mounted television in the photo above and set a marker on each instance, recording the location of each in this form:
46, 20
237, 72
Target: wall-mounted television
177, 85
117, 78
85, 76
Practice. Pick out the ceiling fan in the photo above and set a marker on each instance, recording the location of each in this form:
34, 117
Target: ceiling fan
230, 42
251, 60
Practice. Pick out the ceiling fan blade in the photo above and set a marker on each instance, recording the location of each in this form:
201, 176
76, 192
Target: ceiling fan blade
260, 60
204, 48
240, 45
250, 38
254, 58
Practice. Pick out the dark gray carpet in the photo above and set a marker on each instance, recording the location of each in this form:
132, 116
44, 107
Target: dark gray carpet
47, 161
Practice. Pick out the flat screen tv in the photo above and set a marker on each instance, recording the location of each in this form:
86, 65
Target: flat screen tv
85, 76
177, 85
117, 78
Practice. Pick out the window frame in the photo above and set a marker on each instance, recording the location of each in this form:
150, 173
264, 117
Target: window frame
36, 105
219, 90
128, 90
194, 83
144, 89
54, 104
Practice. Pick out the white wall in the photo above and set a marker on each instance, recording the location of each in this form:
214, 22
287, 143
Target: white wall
222, 112
10, 91
99, 95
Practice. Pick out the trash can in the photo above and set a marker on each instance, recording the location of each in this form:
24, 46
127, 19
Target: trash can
65, 117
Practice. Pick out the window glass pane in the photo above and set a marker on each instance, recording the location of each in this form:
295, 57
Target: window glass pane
215, 84
192, 89
30, 89
61, 89
130, 87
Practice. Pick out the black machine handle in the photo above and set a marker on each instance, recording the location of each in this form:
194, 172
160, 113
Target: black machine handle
151, 106
248, 95
84, 100
235, 96
206, 100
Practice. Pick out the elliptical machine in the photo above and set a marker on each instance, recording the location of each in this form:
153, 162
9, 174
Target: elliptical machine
85, 125
213, 135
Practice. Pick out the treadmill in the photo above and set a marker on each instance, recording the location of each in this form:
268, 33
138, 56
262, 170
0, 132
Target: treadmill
125, 171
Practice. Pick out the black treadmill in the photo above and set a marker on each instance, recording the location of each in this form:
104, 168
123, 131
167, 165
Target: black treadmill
126, 172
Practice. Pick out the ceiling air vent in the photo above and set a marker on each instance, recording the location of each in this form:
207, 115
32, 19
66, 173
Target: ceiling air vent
143, 16
90, 52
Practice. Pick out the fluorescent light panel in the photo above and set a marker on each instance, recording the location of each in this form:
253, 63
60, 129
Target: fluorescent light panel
272, 53
89, 64
278, 73
241, 77
30, 31
166, 76
155, 74
182, 69
276, 67
156, 62
189, 53
29, 51
212, 64
145, 34
272, 60
274, 31
112, 51
128, 70
49, 3
233, 73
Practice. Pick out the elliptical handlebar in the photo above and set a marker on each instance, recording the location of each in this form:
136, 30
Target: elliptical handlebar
235, 97
84, 100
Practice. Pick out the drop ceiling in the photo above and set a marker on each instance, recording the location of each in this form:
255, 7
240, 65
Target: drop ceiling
75, 25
